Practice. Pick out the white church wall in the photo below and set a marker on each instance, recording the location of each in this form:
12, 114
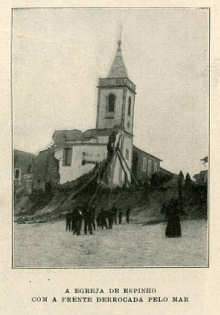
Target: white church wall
103, 139
128, 119
117, 179
127, 151
87, 152
104, 120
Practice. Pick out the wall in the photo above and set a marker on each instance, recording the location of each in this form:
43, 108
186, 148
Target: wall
45, 170
103, 121
23, 161
118, 175
127, 144
117, 179
128, 120
89, 152
137, 167
202, 177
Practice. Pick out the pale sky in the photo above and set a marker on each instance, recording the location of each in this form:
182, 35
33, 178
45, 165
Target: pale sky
59, 54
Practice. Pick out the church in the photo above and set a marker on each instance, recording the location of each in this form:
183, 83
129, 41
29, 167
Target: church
77, 152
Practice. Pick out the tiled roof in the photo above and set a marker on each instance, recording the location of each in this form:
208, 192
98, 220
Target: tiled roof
153, 156
23, 154
62, 136
98, 132
163, 170
67, 135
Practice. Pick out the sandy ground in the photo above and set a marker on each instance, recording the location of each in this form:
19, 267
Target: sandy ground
47, 245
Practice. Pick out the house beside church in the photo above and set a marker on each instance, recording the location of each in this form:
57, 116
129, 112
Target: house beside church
144, 164
23, 167
77, 152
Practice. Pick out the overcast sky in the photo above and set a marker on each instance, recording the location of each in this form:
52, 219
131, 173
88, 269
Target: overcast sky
59, 54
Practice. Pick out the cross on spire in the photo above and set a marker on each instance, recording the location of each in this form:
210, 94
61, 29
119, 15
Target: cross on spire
120, 34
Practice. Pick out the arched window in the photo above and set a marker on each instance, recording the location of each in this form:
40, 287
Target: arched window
111, 103
129, 106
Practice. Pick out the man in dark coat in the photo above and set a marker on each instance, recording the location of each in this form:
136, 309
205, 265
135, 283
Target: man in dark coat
120, 217
101, 219
77, 218
87, 220
93, 211
128, 215
110, 216
114, 211
68, 221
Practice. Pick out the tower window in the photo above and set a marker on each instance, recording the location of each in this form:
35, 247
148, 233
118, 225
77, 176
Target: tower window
129, 106
111, 103
67, 156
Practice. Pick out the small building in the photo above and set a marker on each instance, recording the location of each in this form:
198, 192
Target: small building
23, 167
144, 164
23, 164
202, 177
45, 170
166, 172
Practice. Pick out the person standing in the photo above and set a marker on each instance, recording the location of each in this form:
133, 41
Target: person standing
128, 215
120, 217
102, 219
74, 218
173, 228
180, 182
93, 211
68, 221
114, 211
110, 215
78, 221
87, 220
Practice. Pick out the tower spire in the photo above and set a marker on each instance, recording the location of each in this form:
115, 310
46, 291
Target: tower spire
118, 69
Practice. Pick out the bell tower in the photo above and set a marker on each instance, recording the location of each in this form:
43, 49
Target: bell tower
115, 107
116, 97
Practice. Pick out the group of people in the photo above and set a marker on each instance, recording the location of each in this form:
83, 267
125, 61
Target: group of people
86, 216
